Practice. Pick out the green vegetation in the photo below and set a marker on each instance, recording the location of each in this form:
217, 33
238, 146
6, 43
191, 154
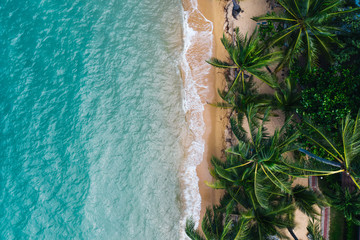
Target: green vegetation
287, 97
214, 226
348, 203
308, 29
337, 226
346, 151
328, 95
314, 231
323, 139
247, 55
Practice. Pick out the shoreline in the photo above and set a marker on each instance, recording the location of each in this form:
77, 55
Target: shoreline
202, 30
198, 89
214, 118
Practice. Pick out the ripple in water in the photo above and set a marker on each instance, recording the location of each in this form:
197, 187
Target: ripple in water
90, 119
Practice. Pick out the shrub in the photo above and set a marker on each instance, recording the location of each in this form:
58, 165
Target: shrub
327, 97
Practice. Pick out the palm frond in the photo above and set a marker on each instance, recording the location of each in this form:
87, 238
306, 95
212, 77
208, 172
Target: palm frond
305, 200
314, 231
191, 232
242, 229
220, 64
308, 28
221, 105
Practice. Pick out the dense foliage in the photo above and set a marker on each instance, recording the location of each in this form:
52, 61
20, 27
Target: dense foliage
349, 54
247, 54
308, 30
328, 95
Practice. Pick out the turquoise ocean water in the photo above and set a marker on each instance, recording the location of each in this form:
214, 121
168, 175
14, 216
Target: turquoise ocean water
91, 119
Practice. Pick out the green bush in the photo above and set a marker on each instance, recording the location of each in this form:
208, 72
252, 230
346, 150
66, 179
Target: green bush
349, 54
327, 97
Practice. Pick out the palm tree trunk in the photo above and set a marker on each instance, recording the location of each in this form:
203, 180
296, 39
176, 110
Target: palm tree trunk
292, 233
323, 160
267, 68
243, 80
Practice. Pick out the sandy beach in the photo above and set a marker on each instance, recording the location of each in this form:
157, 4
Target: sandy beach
215, 118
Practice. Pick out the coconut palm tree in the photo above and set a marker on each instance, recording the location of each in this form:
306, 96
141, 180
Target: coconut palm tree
250, 220
240, 201
305, 200
261, 223
346, 202
239, 218
216, 225
240, 100
287, 97
314, 231
247, 55
257, 158
308, 28
255, 221
345, 152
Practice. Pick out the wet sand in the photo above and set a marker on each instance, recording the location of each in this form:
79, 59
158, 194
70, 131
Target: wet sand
215, 118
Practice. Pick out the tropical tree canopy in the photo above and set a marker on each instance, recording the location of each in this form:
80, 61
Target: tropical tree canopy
247, 54
305, 200
347, 202
287, 97
216, 225
314, 231
242, 99
239, 218
345, 152
308, 28
252, 221
257, 158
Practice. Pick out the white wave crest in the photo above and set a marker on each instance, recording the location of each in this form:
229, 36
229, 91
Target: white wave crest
198, 44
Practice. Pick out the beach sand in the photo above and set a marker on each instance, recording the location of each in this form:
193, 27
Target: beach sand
215, 118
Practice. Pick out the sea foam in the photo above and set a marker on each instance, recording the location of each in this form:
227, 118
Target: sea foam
198, 44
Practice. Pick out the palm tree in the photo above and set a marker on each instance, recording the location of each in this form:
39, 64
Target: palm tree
308, 28
287, 97
314, 232
345, 152
240, 218
240, 200
240, 100
257, 158
247, 55
215, 226
346, 202
305, 200
253, 222
261, 223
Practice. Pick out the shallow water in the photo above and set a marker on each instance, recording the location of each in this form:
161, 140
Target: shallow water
91, 119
